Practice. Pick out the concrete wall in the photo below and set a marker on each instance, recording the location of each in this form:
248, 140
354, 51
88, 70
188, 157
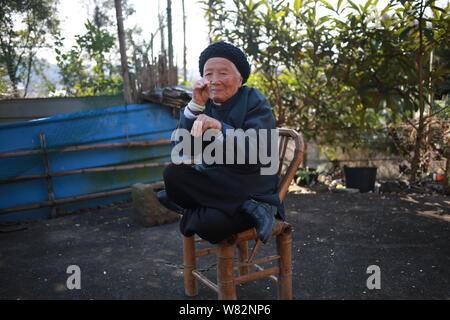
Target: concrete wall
27, 109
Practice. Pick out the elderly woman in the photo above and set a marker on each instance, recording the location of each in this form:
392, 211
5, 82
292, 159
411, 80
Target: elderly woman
218, 200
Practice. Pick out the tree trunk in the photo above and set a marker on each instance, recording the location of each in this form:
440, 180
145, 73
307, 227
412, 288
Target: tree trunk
123, 53
184, 44
447, 176
421, 127
29, 64
161, 30
173, 77
169, 32
210, 9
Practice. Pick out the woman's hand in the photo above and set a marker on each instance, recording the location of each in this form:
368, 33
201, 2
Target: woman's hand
204, 123
200, 92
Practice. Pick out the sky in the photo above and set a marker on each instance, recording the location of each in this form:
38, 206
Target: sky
74, 13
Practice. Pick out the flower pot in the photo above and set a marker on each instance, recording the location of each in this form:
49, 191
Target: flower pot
362, 178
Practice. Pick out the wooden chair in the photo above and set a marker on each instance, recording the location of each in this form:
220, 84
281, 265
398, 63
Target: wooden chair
226, 266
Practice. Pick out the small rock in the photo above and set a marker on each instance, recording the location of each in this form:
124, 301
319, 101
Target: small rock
345, 190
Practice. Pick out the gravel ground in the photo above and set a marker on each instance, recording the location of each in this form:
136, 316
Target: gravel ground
336, 238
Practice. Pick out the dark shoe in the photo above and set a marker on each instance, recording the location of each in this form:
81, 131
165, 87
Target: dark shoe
263, 215
166, 202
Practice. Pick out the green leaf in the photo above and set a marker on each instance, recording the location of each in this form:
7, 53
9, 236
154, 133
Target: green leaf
297, 5
354, 6
385, 9
258, 4
429, 34
368, 3
405, 33
438, 8
329, 6
280, 14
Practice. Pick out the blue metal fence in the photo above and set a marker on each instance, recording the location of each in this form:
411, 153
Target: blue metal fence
143, 122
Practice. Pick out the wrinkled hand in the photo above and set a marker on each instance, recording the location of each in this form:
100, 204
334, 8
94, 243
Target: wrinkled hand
204, 123
200, 92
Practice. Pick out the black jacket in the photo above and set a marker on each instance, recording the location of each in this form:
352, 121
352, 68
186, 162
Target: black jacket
247, 109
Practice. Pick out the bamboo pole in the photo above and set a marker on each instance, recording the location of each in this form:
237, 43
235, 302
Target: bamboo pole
280, 156
256, 275
123, 53
226, 285
89, 170
169, 36
65, 200
48, 174
272, 277
184, 43
205, 280
251, 234
144, 143
189, 263
51, 194
205, 252
243, 257
284, 248
262, 260
292, 169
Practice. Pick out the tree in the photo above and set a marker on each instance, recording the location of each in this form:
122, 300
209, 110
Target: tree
426, 33
123, 53
85, 68
169, 32
389, 62
24, 28
4, 85
215, 14
344, 78
184, 44
291, 50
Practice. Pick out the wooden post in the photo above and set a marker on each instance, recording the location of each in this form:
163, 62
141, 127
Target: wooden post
123, 53
51, 194
225, 270
243, 257
189, 259
284, 247
169, 33
447, 176
184, 43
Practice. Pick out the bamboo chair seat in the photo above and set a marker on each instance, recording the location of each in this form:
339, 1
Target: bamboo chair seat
226, 282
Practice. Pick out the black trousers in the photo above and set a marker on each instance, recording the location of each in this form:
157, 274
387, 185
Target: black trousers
214, 207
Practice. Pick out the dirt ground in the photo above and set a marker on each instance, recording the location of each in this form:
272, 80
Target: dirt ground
336, 238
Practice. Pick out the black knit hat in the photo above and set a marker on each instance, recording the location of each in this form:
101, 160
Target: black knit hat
228, 51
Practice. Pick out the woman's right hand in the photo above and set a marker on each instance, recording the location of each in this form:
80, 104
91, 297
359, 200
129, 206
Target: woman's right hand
200, 93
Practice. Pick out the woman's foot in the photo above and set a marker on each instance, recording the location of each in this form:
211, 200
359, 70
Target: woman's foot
166, 202
263, 215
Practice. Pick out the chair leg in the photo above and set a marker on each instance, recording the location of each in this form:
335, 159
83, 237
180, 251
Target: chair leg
243, 257
284, 247
189, 260
225, 272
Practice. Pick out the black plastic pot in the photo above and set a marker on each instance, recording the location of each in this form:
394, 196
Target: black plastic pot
362, 178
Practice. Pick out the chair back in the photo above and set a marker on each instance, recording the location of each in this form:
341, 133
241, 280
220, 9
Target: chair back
286, 175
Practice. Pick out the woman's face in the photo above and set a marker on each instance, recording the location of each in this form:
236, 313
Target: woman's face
224, 79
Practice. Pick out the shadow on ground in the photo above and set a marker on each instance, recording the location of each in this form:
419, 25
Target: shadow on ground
336, 237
